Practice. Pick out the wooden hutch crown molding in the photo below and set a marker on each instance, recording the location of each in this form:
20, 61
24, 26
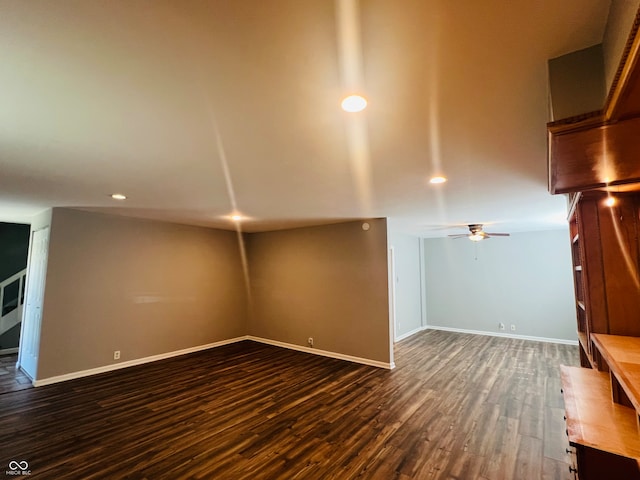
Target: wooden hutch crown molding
599, 149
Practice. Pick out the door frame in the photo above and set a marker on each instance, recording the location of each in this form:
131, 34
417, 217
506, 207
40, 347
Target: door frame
28, 286
393, 327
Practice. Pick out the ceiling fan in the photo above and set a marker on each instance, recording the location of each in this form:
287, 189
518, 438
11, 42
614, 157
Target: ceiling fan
477, 234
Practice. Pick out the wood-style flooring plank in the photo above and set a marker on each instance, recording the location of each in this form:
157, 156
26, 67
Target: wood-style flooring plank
456, 407
12, 379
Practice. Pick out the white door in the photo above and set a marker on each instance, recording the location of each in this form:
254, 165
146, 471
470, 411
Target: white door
34, 296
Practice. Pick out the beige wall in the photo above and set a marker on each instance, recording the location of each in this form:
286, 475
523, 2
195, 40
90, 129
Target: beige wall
148, 288
327, 282
141, 287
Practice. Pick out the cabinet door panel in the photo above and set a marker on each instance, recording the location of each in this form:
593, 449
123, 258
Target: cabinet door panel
598, 465
619, 238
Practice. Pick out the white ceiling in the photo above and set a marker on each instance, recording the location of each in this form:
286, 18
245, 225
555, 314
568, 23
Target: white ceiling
192, 107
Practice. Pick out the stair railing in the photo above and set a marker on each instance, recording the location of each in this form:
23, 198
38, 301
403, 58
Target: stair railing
5, 310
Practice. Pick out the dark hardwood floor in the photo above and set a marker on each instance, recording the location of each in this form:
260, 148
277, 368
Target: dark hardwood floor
456, 407
12, 378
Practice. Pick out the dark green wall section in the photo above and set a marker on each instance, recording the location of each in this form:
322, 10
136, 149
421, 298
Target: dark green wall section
14, 246
576, 83
10, 338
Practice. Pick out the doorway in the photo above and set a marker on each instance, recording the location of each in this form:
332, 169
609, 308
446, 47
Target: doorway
14, 249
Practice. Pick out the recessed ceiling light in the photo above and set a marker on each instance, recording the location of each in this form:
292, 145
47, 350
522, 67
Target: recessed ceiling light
610, 201
437, 179
118, 196
354, 103
236, 217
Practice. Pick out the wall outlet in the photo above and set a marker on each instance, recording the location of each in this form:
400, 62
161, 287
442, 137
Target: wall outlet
116, 355
310, 341
501, 326
513, 327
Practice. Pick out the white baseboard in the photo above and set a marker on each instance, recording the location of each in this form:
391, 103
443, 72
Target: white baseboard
506, 335
154, 358
290, 346
8, 351
412, 332
324, 353
131, 363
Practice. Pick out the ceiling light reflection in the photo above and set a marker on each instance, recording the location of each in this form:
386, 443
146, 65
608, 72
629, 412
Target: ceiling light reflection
354, 103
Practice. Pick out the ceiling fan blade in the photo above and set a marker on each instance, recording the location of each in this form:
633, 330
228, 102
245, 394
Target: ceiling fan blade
459, 235
498, 234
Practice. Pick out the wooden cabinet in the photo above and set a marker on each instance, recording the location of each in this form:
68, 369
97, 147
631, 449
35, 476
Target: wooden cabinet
602, 402
602, 411
603, 434
605, 246
595, 158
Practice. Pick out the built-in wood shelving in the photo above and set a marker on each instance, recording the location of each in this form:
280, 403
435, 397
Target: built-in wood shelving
594, 157
593, 419
602, 409
622, 355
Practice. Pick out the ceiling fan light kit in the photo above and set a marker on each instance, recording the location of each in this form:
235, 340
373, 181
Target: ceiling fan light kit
477, 234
